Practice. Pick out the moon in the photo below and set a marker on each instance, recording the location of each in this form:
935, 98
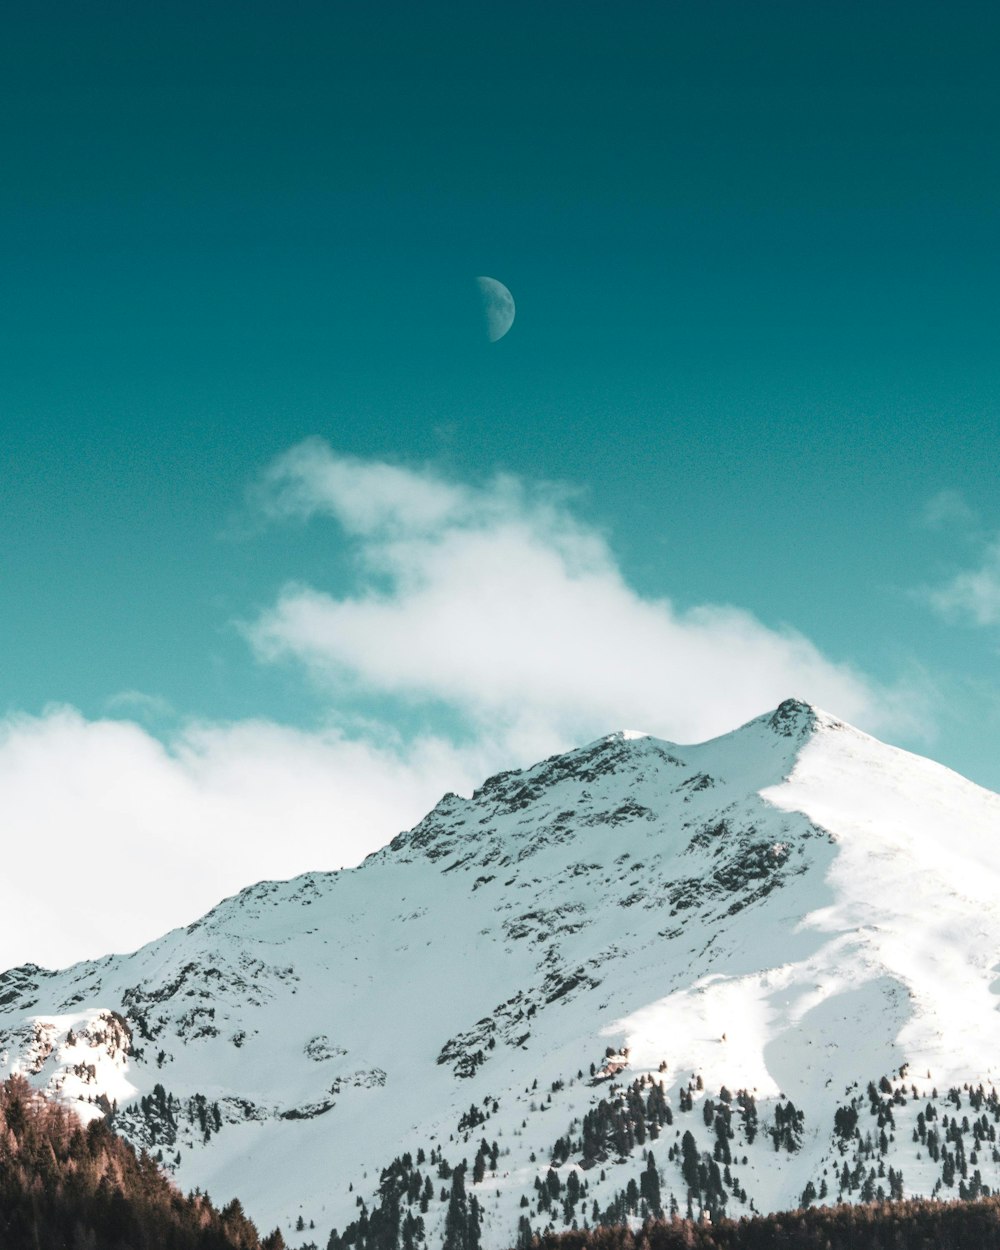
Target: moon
498, 307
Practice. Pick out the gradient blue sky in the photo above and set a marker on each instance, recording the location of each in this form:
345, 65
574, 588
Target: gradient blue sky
754, 249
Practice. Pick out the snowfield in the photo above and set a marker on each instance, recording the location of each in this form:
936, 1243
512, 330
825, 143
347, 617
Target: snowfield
772, 960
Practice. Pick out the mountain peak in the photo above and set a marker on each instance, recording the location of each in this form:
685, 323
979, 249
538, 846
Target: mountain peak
737, 935
793, 719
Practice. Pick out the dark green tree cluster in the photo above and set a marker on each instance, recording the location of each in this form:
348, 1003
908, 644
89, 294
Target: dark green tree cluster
845, 1122
65, 1187
160, 1109
649, 1186
486, 1156
958, 1143
747, 1105
392, 1224
464, 1217
206, 1114
619, 1125
786, 1132
719, 1116
157, 1117
551, 1195
642, 1199
471, 1118
702, 1176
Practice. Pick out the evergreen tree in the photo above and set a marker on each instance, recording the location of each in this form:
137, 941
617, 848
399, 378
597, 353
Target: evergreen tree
649, 1186
461, 1225
689, 1162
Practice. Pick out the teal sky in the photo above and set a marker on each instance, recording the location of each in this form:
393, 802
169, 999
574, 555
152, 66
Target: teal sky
755, 250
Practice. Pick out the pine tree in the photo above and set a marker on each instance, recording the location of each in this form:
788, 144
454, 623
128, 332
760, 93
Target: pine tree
649, 1186
461, 1225
689, 1161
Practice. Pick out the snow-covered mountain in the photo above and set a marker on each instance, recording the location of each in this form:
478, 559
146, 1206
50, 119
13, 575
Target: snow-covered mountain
772, 960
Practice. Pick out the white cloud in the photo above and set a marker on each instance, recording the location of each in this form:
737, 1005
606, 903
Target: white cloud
947, 507
364, 496
972, 596
110, 838
499, 603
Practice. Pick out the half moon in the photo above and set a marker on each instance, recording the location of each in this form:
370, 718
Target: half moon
498, 307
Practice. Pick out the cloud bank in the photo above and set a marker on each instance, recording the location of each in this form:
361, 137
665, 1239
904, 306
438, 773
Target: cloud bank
112, 838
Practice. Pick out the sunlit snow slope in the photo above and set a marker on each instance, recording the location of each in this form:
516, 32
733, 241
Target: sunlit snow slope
772, 959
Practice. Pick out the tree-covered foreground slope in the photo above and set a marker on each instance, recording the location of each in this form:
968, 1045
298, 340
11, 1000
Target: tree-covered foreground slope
639, 977
64, 1186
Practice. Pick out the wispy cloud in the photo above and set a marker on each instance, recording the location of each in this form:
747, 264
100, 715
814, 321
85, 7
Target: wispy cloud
970, 596
973, 595
500, 603
947, 508
137, 703
365, 496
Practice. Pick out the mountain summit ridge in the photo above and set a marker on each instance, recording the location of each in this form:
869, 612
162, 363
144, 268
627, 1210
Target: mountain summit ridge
793, 721
793, 910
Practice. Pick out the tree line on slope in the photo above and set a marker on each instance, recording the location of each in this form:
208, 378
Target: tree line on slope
68, 1187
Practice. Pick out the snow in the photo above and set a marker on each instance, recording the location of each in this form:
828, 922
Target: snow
75, 1058
794, 909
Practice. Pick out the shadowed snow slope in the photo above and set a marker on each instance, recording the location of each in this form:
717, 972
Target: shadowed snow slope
772, 959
